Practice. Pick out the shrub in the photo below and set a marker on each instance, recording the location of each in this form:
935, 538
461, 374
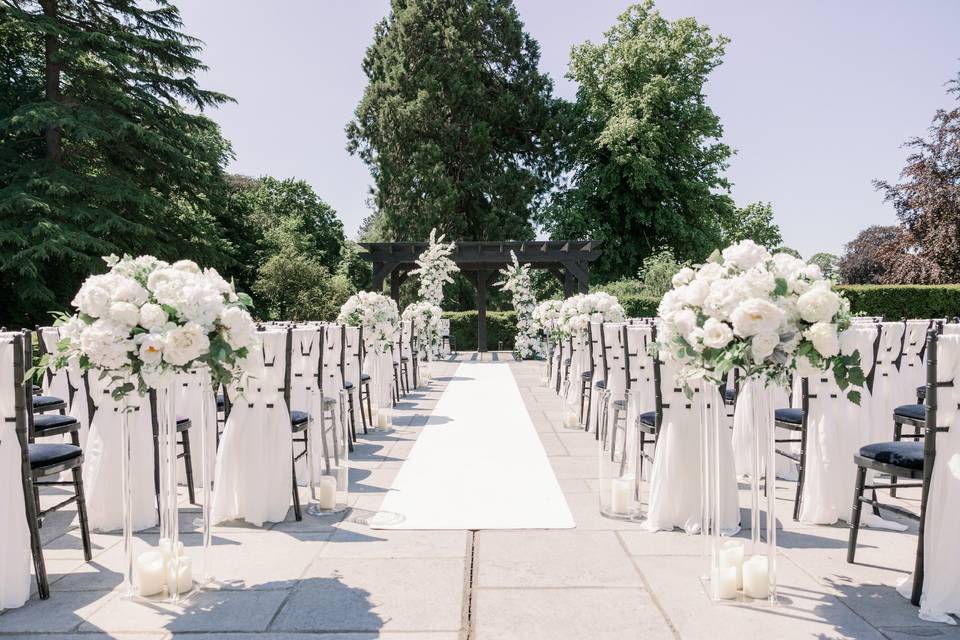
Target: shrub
501, 327
637, 306
903, 300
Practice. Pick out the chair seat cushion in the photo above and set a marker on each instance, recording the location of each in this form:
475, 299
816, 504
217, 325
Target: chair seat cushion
600, 384
41, 403
901, 454
221, 402
348, 385
49, 421
729, 395
921, 393
648, 418
299, 417
364, 377
183, 423
913, 411
44, 454
791, 416
586, 375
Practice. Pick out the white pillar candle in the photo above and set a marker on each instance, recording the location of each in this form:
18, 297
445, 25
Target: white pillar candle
180, 573
755, 580
570, 418
166, 549
731, 555
150, 574
621, 495
723, 582
328, 492
383, 418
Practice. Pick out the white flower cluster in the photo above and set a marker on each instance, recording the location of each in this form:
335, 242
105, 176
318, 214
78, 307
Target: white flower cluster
145, 319
376, 314
434, 268
516, 280
577, 311
426, 324
766, 314
546, 318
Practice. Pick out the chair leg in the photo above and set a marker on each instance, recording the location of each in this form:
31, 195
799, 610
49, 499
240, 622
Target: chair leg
82, 512
36, 501
369, 406
406, 377
364, 415
801, 471
643, 443
855, 515
188, 464
36, 549
353, 417
897, 435
297, 514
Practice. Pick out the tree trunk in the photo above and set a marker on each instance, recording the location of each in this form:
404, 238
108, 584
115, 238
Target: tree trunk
52, 73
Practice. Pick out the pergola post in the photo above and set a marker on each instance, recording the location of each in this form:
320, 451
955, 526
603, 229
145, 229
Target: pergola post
482, 276
395, 285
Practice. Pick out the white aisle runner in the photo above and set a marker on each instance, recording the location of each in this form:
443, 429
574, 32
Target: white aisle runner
478, 464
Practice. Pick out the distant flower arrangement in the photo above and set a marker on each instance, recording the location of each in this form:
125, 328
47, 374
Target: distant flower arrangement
376, 314
426, 326
435, 268
145, 320
516, 280
546, 319
576, 312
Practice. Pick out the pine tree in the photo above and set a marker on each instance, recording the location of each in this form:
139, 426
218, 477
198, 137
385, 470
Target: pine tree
456, 121
98, 152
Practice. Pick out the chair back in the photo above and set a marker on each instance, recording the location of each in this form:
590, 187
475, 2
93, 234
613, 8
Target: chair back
614, 356
306, 346
406, 339
890, 347
331, 359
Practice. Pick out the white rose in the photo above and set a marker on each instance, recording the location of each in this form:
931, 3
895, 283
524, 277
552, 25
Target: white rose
716, 334
710, 271
151, 348
94, 297
824, 337
759, 282
685, 320
819, 304
787, 265
107, 345
756, 315
762, 346
723, 298
152, 316
745, 254
812, 271
695, 338
682, 277
696, 292
238, 327
129, 290
125, 314
184, 344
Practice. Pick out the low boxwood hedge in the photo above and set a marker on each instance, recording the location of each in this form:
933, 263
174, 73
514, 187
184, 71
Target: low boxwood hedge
897, 301
501, 326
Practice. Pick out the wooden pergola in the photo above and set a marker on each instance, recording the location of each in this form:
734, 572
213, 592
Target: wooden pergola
480, 261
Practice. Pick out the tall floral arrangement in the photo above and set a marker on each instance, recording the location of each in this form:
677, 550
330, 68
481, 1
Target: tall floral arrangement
516, 280
145, 320
435, 267
546, 319
768, 315
426, 323
376, 314
577, 311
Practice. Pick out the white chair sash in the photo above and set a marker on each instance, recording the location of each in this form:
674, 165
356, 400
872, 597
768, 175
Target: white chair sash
15, 550
253, 479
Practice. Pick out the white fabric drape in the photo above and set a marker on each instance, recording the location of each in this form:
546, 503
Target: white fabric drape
941, 582
755, 408
676, 487
836, 429
253, 479
889, 391
380, 368
15, 549
103, 459
191, 403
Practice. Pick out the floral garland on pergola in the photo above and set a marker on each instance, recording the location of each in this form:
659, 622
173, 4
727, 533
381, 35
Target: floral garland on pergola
516, 280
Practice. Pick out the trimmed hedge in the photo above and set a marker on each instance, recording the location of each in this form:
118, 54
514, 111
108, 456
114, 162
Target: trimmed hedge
639, 306
897, 301
501, 327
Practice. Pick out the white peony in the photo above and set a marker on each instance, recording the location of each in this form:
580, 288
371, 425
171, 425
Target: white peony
186, 265
183, 344
716, 334
696, 292
746, 254
762, 346
819, 304
824, 337
685, 321
107, 345
152, 316
95, 296
710, 272
723, 298
756, 315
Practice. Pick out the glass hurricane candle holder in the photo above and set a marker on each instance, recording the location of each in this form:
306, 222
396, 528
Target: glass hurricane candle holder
328, 457
619, 449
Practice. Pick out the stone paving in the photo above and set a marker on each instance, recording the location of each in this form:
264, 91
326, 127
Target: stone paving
337, 579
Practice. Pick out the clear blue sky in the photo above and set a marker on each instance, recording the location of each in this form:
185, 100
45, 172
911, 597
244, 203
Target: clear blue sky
816, 96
